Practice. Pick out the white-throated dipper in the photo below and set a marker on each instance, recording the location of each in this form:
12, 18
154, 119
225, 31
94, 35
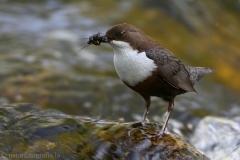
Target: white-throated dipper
147, 67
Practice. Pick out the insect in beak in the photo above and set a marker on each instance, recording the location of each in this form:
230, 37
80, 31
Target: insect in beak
97, 39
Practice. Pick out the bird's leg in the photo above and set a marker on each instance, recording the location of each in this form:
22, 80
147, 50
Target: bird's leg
148, 102
170, 108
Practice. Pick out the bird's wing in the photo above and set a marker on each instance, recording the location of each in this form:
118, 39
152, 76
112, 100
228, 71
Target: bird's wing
171, 69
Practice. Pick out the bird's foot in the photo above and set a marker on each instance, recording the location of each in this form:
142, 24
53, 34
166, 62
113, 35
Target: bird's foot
145, 120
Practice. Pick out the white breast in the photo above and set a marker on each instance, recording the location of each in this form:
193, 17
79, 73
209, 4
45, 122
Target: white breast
131, 66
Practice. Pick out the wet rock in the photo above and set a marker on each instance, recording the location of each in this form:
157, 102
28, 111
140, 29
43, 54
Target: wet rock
218, 138
27, 130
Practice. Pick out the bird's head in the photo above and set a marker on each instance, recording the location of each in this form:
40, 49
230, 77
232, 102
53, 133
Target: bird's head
123, 35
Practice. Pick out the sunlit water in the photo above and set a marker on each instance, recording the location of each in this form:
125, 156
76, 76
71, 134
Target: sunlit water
40, 62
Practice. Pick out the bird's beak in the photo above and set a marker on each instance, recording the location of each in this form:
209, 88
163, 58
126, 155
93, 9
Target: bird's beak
104, 39
96, 39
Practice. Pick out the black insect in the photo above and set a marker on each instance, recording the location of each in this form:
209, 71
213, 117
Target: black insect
97, 39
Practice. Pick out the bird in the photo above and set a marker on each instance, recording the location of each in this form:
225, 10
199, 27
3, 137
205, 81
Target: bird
148, 68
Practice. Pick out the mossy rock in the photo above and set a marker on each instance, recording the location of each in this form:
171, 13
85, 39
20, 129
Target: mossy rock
49, 134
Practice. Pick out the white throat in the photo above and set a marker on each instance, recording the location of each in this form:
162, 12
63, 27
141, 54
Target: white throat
132, 67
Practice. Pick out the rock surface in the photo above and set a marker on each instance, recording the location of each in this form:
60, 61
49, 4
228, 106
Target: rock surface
218, 138
29, 131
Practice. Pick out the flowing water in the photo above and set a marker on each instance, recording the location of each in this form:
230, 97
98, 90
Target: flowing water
40, 62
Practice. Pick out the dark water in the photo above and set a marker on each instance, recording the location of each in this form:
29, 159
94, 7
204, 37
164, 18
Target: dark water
39, 41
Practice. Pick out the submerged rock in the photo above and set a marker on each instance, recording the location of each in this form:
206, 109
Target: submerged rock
28, 131
218, 138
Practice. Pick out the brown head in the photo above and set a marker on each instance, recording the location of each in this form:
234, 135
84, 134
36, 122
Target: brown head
128, 33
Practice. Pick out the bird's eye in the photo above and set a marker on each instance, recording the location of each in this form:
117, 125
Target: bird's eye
122, 33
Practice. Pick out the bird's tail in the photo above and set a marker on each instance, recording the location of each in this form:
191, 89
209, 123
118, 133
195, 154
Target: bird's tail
196, 73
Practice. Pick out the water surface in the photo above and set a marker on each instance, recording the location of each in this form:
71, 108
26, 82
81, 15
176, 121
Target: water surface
39, 62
